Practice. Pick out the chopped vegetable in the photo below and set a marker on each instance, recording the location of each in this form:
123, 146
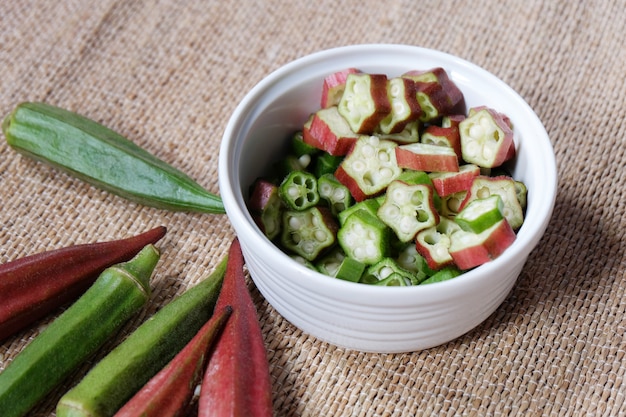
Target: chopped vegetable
299, 190
427, 157
470, 249
334, 86
480, 214
364, 237
404, 106
265, 207
364, 102
331, 132
334, 193
308, 232
33, 286
486, 139
118, 293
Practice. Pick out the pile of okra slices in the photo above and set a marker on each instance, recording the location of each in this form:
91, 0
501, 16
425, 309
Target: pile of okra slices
393, 182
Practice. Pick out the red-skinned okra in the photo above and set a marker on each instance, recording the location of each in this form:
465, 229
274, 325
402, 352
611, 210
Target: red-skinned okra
364, 102
470, 249
369, 168
407, 209
334, 85
437, 94
486, 138
444, 136
237, 378
505, 187
265, 207
447, 183
434, 242
169, 392
427, 157
332, 132
33, 286
404, 106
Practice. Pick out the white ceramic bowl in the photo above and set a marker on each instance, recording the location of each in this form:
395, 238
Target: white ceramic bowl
359, 316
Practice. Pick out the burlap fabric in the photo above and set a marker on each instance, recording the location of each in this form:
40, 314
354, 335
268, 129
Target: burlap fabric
167, 74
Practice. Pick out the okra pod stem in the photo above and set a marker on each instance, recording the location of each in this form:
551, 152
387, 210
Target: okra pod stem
118, 293
120, 374
103, 158
35, 285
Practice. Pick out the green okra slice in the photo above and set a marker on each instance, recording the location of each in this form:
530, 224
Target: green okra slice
337, 264
308, 232
370, 205
480, 214
325, 163
385, 268
407, 209
266, 207
364, 237
444, 274
334, 193
409, 259
393, 280
299, 190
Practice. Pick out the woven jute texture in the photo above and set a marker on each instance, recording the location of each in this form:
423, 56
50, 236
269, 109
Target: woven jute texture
167, 74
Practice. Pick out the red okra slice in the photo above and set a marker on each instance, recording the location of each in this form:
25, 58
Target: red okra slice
505, 187
434, 244
443, 136
364, 237
308, 232
334, 193
470, 249
332, 132
451, 204
369, 167
299, 190
265, 207
407, 209
404, 106
334, 86
364, 102
427, 157
437, 94
410, 133
481, 214
447, 183
486, 138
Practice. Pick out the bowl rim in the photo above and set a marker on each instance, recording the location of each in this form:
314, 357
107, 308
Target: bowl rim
528, 235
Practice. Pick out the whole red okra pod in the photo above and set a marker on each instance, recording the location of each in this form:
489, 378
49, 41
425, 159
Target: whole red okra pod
237, 379
35, 285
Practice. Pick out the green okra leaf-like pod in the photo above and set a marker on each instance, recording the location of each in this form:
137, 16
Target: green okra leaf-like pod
118, 293
103, 158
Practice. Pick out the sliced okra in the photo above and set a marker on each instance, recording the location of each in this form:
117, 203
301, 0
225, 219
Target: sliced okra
308, 232
480, 214
444, 274
337, 264
447, 183
304, 262
299, 190
364, 102
434, 243
332, 131
410, 133
384, 269
300, 148
486, 138
370, 205
364, 237
334, 193
427, 157
325, 163
265, 207
334, 86
369, 167
470, 249
443, 136
505, 187
411, 260
451, 204
407, 209
404, 106
437, 94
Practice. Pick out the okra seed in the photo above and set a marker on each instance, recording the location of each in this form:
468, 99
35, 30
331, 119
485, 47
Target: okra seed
367, 151
398, 107
385, 272
320, 236
441, 251
358, 166
406, 224
339, 194
476, 131
483, 192
305, 160
295, 223
386, 173
383, 156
